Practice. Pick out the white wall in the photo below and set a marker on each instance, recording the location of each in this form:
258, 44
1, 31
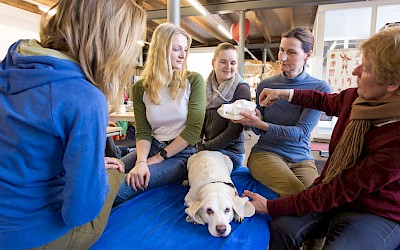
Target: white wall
200, 60
16, 24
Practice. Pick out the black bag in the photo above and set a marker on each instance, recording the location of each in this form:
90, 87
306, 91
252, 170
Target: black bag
111, 149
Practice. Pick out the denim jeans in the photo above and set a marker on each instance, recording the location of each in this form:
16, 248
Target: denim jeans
342, 229
237, 159
171, 170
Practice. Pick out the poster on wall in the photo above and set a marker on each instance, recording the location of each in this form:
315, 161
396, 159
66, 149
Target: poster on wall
339, 65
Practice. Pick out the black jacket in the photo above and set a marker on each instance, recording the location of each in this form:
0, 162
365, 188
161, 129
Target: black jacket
219, 133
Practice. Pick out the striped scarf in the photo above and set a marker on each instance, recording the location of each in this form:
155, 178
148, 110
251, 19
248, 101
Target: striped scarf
218, 94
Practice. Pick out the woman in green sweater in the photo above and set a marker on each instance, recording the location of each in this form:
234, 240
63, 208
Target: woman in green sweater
169, 106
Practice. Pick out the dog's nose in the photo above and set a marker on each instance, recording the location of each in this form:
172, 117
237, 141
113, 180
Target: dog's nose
221, 229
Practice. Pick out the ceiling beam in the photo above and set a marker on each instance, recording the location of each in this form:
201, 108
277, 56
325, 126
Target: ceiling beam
23, 5
271, 56
201, 24
260, 22
192, 33
209, 22
263, 45
251, 54
49, 3
228, 18
230, 7
291, 22
184, 25
153, 5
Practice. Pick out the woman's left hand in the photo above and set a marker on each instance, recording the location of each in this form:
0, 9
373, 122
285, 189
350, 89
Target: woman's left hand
258, 201
113, 163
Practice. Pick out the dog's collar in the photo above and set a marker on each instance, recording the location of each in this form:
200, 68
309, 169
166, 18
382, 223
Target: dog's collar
229, 184
226, 183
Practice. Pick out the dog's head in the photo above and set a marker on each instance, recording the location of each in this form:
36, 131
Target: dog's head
217, 206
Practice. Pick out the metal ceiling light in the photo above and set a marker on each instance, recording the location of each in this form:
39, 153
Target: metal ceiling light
198, 6
205, 12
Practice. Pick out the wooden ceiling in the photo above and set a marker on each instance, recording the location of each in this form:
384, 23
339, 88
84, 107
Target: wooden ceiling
268, 19
30, 5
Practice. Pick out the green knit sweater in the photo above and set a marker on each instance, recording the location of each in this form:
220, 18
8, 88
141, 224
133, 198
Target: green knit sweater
196, 110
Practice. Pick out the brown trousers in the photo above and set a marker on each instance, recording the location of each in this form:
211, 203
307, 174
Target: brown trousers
284, 178
83, 237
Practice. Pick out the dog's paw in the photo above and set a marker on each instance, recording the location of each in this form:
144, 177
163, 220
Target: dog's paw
190, 220
185, 183
238, 218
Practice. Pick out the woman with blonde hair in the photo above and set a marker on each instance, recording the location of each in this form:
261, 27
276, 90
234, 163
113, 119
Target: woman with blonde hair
169, 106
355, 202
57, 187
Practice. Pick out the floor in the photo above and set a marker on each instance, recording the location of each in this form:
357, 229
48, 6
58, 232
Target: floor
251, 139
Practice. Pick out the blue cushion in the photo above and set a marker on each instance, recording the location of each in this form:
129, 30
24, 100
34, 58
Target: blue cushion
156, 220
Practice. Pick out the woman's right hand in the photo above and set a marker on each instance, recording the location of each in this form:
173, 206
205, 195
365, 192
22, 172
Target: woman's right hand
113, 163
259, 202
269, 96
249, 119
139, 176
252, 120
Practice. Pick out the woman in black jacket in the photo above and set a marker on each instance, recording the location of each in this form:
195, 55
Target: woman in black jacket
224, 85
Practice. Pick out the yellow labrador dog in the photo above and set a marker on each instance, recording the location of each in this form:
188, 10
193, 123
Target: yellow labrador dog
212, 198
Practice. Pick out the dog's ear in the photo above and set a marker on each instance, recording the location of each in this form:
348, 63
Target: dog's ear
243, 207
193, 209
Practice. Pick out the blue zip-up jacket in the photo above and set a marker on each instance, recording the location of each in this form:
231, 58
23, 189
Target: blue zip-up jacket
290, 125
52, 140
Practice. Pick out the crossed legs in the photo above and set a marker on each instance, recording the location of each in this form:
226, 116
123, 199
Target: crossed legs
284, 178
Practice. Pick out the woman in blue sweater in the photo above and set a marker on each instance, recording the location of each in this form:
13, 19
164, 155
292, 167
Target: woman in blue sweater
281, 159
55, 192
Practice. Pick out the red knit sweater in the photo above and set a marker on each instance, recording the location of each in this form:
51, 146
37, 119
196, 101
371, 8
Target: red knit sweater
371, 185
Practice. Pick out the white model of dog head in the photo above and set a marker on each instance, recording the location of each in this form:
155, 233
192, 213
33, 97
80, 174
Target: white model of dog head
232, 111
212, 198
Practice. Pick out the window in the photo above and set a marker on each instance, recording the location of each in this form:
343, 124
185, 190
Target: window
387, 14
343, 27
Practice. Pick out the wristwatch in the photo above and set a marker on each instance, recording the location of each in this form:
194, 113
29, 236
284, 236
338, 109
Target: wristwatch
163, 154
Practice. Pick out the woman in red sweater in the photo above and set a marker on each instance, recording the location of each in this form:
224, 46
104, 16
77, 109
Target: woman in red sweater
355, 203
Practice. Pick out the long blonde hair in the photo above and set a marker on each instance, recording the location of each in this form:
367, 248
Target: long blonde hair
102, 36
158, 72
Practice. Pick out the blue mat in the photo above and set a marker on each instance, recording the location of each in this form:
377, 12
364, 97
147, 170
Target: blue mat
156, 220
